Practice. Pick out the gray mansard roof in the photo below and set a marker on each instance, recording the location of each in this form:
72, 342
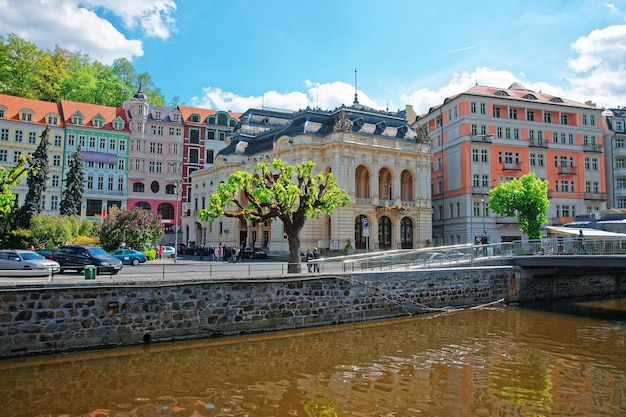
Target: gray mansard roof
261, 128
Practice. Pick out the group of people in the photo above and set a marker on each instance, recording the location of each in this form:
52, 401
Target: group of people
311, 255
216, 253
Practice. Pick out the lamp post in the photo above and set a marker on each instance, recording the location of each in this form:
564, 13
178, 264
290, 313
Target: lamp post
177, 190
482, 207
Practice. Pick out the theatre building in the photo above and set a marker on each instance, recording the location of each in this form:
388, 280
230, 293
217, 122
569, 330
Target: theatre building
376, 157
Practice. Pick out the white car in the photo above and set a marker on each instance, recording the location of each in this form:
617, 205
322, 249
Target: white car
29, 262
168, 251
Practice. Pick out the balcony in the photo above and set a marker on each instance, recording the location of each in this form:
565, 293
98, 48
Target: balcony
482, 138
567, 170
537, 143
592, 147
512, 166
595, 196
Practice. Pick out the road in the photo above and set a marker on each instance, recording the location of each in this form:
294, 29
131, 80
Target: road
186, 268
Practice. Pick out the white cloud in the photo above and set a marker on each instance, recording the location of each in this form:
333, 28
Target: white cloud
74, 24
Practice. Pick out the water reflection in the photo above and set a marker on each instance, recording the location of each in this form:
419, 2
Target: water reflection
502, 361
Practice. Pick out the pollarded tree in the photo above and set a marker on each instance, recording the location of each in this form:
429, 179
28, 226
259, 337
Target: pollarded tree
136, 228
72, 197
37, 180
525, 198
290, 193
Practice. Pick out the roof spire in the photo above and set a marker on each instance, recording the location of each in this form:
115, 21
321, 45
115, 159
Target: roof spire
356, 96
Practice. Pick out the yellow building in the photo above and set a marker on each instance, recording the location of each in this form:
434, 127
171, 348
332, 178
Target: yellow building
376, 157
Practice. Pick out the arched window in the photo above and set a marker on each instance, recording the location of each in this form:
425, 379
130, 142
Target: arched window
143, 205
170, 189
222, 119
385, 183
166, 211
138, 187
359, 235
384, 233
406, 186
362, 182
406, 233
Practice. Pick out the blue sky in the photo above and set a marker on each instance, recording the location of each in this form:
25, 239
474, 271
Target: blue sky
237, 54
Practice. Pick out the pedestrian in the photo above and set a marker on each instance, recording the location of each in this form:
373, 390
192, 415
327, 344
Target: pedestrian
235, 253
241, 252
309, 258
580, 242
160, 251
211, 253
32, 247
316, 256
227, 254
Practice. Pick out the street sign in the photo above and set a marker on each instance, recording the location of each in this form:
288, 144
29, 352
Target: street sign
366, 227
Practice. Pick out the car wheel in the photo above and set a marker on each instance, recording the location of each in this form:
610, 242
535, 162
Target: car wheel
135, 261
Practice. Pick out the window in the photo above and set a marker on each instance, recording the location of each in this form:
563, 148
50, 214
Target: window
476, 180
592, 120
531, 134
499, 131
496, 112
584, 119
155, 166
121, 165
90, 182
54, 202
120, 184
112, 143
530, 115
102, 144
138, 187
570, 138
547, 117
122, 145
97, 123
209, 156
564, 119
92, 142
55, 181
77, 120
100, 182
194, 136
512, 113
58, 141
473, 107
32, 137
533, 160
484, 155
483, 108
211, 135
4, 155
4, 134
507, 133
474, 155
110, 183
19, 136
53, 120
516, 134
175, 117
474, 130
156, 147
26, 117
483, 130
16, 156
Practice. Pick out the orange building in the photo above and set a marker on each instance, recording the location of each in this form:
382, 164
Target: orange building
487, 135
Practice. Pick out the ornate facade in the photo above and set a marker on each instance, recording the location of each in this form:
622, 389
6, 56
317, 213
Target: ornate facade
375, 156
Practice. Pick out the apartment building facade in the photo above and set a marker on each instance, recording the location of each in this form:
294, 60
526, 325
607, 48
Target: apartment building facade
375, 156
488, 135
615, 141
22, 122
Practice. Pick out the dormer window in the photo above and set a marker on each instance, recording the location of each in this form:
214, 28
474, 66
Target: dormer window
557, 100
118, 125
26, 117
2, 113
502, 93
78, 120
194, 118
97, 123
175, 117
157, 114
530, 97
52, 120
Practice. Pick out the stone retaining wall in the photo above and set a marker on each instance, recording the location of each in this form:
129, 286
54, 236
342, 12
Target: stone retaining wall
90, 315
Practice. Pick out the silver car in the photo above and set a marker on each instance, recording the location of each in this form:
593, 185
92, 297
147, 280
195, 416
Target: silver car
26, 260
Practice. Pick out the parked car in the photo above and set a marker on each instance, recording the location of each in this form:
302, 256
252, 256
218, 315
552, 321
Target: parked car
455, 254
129, 256
77, 257
168, 251
46, 253
250, 252
27, 260
428, 258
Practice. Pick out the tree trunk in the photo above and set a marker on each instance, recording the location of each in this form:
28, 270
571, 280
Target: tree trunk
294, 265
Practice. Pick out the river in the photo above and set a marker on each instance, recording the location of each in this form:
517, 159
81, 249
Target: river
493, 361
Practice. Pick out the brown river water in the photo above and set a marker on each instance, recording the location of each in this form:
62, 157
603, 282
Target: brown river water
494, 361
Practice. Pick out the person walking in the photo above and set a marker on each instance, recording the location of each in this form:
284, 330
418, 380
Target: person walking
309, 258
241, 252
160, 251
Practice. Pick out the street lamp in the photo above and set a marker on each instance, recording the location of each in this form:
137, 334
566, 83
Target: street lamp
176, 190
482, 207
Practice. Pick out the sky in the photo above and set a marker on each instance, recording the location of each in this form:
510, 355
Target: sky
285, 54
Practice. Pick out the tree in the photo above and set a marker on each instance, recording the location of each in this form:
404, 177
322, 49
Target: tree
525, 198
136, 228
287, 192
9, 177
37, 180
72, 197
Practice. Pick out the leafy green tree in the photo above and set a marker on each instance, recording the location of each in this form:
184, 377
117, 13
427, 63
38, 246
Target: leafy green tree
525, 198
37, 180
72, 196
290, 193
20, 64
137, 228
50, 231
10, 177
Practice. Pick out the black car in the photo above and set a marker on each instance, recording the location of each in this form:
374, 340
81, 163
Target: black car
78, 256
250, 252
